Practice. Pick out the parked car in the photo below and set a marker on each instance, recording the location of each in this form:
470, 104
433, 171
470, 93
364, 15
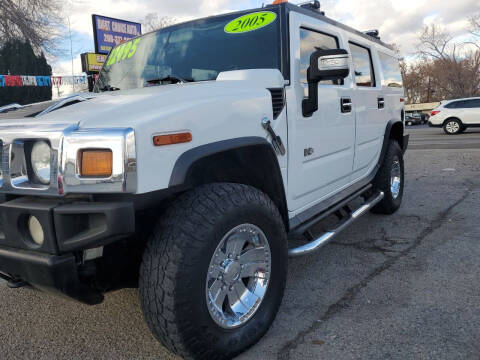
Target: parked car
413, 120
174, 178
455, 116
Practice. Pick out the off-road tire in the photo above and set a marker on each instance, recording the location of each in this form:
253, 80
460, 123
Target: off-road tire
175, 264
382, 182
451, 121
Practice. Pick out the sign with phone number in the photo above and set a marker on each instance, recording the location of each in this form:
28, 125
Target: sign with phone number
109, 32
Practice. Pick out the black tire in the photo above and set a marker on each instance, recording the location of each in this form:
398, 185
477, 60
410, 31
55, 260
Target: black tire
390, 203
409, 123
176, 261
451, 124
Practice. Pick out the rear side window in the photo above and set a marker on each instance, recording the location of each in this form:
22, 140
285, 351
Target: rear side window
391, 71
464, 104
309, 41
362, 62
473, 103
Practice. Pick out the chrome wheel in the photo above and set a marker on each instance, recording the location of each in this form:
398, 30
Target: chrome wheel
238, 276
452, 127
395, 178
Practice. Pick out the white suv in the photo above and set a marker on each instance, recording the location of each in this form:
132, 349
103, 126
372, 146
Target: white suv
207, 146
455, 116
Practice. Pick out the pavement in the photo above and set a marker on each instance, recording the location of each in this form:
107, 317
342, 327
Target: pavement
391, 287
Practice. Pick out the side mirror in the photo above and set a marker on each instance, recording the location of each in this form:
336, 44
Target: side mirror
324, 65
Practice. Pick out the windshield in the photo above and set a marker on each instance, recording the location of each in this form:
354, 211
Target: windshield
194, 51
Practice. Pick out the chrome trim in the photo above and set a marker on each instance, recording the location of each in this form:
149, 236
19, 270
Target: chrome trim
65, 141
327, 237
238, 276
122, 144
333, 62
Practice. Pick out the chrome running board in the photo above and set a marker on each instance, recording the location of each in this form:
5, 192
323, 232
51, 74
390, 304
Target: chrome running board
330, 235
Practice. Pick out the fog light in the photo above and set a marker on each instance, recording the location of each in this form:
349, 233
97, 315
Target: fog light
36, 230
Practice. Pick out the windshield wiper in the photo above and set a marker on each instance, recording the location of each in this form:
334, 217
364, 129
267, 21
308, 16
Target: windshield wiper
109, 88
172, 78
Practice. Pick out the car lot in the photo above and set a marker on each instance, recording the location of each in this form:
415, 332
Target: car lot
395, 287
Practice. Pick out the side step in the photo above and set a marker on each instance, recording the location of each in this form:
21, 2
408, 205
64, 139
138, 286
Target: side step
330, 235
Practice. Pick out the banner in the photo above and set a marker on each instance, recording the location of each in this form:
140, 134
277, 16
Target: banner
43, 81
28, 80
13, 80
109, 32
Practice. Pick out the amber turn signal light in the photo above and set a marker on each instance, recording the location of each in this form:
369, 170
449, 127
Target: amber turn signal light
96, 163
169, 139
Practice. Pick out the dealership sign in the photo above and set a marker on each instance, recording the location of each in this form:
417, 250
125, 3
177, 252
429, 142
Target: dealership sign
109, 32
92, 63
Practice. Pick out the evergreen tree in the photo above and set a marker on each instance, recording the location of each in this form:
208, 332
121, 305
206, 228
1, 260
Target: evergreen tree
18, 58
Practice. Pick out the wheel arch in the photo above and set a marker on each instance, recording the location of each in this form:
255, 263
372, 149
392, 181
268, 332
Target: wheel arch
395, 130
247, 160
452, 118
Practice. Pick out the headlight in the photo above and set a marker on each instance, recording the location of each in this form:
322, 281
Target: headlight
41, 155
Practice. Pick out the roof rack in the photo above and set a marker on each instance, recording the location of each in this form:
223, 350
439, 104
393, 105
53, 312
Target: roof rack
373, 33
312, 5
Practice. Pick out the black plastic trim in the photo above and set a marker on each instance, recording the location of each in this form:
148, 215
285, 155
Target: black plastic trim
57, 274
188, 158
89, 225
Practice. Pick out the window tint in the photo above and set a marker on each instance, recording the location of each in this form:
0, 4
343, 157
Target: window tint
473, 103
309, 41
362, 62
463, 104
391, 71
452, 105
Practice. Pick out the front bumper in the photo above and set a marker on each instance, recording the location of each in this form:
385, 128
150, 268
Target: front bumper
69, 227
53, 273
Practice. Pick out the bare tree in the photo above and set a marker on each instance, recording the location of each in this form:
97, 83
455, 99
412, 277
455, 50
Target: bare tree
38, 21
475, 30
445, 69
436, 43
153, 22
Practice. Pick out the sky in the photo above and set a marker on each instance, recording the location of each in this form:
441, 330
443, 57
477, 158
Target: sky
399, 21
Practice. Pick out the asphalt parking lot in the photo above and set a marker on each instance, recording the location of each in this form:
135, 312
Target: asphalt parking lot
399, 287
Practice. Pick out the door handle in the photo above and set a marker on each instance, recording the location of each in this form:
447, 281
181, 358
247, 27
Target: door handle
381, 103
346, 105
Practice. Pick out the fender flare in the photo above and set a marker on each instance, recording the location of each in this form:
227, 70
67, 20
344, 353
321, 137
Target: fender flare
185, 165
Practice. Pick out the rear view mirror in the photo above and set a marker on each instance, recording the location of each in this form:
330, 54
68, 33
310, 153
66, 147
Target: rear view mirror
324, 65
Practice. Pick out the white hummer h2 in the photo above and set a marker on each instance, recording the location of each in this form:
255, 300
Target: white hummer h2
208, 145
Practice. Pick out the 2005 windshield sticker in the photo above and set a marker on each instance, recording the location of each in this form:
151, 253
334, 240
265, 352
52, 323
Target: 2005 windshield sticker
250, 22
122, 52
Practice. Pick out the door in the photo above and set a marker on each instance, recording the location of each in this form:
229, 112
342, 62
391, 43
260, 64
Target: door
321, 147
369, 110
471, 112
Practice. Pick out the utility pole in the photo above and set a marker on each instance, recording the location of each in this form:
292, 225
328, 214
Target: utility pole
71, 52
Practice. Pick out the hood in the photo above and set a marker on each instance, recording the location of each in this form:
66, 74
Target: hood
126, 108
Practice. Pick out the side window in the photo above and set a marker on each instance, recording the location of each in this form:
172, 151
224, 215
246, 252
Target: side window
473, 104
309, 41
460, 105
362, 62
391, 71
452, 105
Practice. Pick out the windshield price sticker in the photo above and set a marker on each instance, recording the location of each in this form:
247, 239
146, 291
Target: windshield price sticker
250, 22
122, 52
